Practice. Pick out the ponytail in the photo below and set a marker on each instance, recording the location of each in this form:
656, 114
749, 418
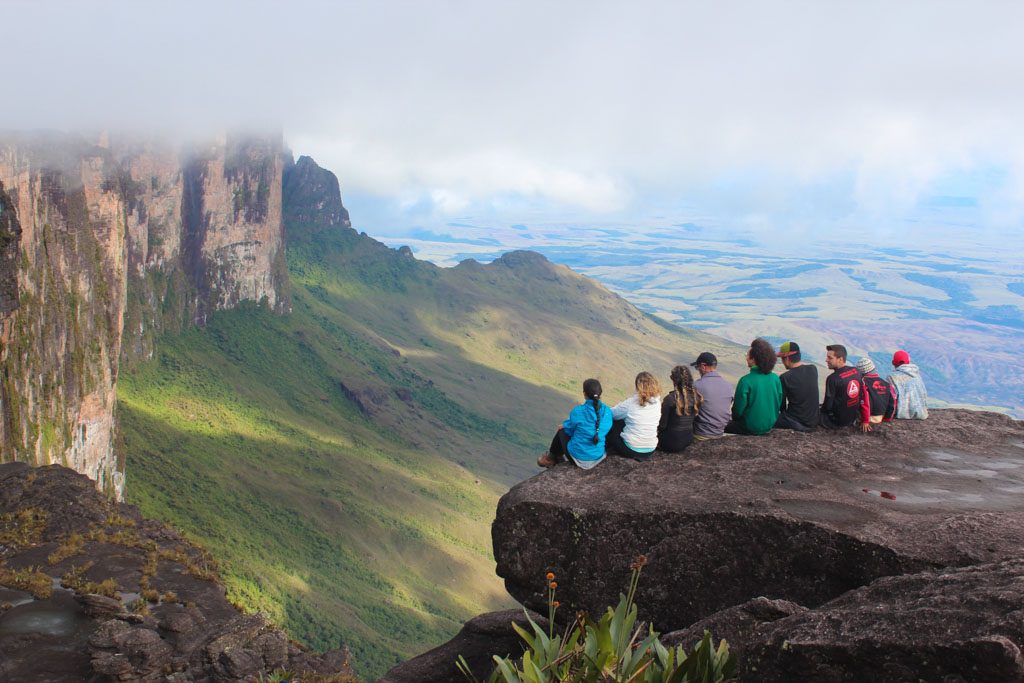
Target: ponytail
592, 390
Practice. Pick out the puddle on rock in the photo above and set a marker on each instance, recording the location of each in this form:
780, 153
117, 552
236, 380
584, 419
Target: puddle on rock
952, 480
987, 474
40, 617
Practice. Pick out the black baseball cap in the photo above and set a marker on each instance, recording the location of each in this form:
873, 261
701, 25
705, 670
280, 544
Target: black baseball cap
706, 358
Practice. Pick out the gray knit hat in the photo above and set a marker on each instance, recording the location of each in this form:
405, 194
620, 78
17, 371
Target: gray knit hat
865, 365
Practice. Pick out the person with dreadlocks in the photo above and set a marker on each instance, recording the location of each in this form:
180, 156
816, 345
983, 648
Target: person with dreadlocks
678, 409
582, 436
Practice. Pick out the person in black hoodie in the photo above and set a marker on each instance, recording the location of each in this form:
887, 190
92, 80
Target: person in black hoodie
675, 431
799, 391
843, 390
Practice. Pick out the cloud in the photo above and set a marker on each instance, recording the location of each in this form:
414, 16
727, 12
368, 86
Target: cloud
587, 104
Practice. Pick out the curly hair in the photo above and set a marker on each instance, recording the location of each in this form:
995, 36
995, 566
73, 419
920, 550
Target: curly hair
647, 388
763, 355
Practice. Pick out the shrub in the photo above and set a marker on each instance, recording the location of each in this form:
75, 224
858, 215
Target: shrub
613, 648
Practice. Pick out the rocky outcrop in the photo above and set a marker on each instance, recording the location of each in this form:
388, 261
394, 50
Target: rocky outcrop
954, 625
798, 517
736, 625
89, 590
480, 638
119, 242
312, 200
896, 555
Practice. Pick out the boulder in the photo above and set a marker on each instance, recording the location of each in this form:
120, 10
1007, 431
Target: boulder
480, 638
952, 625
790, 516
736, 625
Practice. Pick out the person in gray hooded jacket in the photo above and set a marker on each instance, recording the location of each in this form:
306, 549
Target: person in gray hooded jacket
910, 391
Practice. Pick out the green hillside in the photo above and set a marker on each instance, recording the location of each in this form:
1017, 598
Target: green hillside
344, 461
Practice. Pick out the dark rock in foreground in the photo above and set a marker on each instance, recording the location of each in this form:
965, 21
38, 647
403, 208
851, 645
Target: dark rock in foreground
954, 625
161, 615
799, 517
480, 638
736, 625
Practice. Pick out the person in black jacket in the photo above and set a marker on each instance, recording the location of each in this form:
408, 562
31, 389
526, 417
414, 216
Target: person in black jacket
680, 407
799, 391
843, 390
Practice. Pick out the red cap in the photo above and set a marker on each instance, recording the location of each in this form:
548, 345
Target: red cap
901, 357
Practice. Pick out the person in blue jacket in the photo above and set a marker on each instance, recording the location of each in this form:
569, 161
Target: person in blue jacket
581, 437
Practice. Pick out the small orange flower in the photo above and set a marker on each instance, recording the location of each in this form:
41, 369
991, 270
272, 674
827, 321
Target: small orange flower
553, 585
639, 562
551, 576
556, 604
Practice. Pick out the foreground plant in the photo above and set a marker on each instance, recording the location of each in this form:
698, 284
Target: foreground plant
611, 649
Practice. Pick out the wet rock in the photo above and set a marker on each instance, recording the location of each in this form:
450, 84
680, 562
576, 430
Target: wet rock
790, 516
480, 638
951, 625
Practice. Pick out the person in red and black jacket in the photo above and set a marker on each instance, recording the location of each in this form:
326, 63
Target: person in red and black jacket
878, 400
843, 390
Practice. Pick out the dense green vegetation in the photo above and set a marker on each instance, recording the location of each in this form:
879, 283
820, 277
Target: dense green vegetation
340, 529
344, 460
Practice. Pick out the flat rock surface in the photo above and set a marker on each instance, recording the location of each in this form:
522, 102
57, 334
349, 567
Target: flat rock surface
953, 625
800, 517
60, 629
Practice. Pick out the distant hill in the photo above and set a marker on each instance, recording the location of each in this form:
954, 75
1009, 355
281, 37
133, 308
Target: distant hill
344, 460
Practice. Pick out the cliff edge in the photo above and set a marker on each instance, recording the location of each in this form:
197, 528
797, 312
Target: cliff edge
896, 555
103, 246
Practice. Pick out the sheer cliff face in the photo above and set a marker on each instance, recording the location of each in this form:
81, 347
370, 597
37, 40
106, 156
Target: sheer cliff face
116, 244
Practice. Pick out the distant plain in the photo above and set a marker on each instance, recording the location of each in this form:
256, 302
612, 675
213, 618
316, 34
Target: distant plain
957, 306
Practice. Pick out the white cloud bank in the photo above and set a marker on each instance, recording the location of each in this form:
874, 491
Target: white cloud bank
586, 104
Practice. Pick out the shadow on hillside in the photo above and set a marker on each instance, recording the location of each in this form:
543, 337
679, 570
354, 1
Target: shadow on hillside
336, 543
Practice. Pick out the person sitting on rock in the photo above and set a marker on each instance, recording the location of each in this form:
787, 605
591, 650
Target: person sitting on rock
758, 393
678, 410
878, 403
911, 395
634, 433
716, 395
582, 436
800, 395
842, 390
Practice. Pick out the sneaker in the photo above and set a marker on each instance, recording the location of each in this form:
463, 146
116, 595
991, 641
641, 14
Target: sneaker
545, 460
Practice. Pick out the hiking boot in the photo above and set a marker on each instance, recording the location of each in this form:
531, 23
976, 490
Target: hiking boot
545, 460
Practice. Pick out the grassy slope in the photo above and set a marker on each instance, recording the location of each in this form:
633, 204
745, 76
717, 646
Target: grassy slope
344, 461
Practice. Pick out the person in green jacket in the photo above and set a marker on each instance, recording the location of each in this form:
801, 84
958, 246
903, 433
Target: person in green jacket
758, 399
